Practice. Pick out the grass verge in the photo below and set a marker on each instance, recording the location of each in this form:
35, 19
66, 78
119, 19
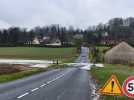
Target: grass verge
102, 75
33, 71
15, 76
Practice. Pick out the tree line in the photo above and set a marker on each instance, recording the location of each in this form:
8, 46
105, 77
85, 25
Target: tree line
113, 32
15, 36
116, 30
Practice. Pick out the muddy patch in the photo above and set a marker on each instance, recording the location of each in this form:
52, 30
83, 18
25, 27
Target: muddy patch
12, 68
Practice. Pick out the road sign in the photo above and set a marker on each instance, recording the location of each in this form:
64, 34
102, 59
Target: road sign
128, 87
111, 87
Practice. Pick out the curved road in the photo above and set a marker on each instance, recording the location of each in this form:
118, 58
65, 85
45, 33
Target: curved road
66, 84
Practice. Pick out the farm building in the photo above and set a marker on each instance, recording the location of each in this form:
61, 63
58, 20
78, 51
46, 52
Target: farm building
120, 54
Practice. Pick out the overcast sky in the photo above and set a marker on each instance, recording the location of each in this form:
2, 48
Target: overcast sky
78, 13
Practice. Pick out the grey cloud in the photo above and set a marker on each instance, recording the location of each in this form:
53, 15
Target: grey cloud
79, 13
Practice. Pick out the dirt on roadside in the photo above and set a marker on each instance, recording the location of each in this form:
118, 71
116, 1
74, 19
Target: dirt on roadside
12, 68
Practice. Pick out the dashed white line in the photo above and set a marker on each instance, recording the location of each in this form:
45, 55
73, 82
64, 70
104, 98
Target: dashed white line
48, 82
22, 95
43, 85
40, 86
55, 79
34, 89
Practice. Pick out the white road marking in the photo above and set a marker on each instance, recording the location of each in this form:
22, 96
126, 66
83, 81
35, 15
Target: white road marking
22, 95
34, 89
48, 82
43, 85
55, 79
60, 76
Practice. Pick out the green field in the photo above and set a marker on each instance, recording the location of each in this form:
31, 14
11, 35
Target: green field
37, 53
102, 75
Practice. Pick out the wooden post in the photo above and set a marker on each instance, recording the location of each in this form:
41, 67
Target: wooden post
57, 61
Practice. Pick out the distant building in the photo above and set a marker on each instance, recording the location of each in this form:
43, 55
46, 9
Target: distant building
45, 40
55, 42
36, 41
107, 39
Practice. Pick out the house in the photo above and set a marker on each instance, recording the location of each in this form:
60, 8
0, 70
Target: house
55, 42
36, 41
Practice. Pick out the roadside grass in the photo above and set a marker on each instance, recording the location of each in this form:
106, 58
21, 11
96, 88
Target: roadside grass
102, 48
37, 53
97, 54
18, 75
33, 71
103, 74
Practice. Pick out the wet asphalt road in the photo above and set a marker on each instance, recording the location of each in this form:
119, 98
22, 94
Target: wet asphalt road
66, 84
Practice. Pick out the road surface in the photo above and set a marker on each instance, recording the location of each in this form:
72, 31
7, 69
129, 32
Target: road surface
66, 84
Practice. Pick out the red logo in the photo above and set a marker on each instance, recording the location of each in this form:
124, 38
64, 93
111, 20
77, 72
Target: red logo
128, 87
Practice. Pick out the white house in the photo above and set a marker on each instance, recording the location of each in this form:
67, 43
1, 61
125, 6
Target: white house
36, 41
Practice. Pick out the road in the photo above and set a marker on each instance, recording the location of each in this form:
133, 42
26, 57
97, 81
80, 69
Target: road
83, 58
66, 84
